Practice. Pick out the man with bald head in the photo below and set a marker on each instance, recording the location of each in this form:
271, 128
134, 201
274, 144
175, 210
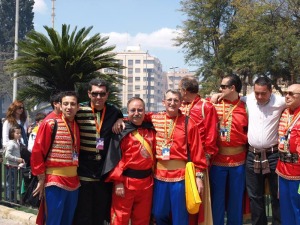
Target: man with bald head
288, 166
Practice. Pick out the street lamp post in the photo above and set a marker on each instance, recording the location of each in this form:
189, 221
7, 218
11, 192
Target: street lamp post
173, 79
16, 49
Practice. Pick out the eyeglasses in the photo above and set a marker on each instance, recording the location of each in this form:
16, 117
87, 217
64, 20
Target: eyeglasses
136, 110
101, 94
170, 100
290, 93
223, 86
20, 107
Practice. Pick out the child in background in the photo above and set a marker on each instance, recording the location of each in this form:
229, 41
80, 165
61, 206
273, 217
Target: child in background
39, 117
13, 157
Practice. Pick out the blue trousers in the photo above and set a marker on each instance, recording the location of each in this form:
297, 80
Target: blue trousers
289, 198
169, 199
61, 205
231, 179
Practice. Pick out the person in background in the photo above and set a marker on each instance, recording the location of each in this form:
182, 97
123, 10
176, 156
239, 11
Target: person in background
130, 161
55, 104
227, 173
205, 115
13, 158
57, 176
95, 120
39, 117
15, 115
288, 166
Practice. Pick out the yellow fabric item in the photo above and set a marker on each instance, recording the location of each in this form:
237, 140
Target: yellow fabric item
143, 142
192, 196
68, 171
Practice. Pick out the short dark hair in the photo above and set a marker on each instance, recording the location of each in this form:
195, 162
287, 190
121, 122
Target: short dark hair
99, 82
135, 98
68, 93
12, 130
54, 97
234, 80
39, 116
173, 91
264, 81
190, 84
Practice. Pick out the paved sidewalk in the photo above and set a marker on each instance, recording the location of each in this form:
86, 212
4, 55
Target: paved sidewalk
10, 216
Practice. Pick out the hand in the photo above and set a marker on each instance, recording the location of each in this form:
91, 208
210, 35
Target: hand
20, 160
39, 189
118, 126
200, 186
120, 190
215, 98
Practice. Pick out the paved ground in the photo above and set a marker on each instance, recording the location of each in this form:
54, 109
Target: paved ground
10, 216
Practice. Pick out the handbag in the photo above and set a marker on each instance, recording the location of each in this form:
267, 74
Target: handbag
192, 196
28, 197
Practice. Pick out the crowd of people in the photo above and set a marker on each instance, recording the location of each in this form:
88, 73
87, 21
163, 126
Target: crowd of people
96, 167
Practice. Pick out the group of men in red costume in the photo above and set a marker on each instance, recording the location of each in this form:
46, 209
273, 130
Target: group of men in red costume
145, 162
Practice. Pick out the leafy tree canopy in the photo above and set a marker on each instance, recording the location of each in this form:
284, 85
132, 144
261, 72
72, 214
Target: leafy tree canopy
66, 61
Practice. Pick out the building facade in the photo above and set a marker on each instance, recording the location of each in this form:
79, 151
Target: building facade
144, 78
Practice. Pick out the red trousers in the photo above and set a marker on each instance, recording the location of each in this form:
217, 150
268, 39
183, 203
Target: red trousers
136, 205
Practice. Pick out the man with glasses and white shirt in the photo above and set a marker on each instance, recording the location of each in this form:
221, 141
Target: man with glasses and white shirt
95, 120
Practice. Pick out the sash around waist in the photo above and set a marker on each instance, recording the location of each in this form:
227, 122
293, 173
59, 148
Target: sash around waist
170, 164
67, 171
231, 150
139, 174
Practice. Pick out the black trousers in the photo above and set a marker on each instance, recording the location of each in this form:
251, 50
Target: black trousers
94, 203
255, 183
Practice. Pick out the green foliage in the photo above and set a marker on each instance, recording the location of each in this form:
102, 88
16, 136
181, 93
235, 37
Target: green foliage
7, 21
66, 61
246, 37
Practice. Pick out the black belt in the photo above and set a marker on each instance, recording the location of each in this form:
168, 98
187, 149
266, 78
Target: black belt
272, 149
139, 174
96, 157
288, 157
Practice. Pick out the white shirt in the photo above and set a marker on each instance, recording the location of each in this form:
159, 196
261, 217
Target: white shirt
264, 120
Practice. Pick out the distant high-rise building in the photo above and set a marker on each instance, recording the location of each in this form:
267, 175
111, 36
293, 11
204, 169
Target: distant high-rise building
144, 78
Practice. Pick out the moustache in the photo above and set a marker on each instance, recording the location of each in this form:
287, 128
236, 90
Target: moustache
138, 116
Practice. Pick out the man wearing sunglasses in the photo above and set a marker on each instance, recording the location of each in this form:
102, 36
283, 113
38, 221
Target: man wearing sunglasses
227, 173
95, 120
288, 167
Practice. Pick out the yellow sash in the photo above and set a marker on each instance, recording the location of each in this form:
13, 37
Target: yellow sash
143, 142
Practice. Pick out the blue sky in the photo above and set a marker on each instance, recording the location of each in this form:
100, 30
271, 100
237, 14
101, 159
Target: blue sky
149, 23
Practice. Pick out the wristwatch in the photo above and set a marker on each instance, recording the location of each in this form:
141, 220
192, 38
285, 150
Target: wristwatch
200, 175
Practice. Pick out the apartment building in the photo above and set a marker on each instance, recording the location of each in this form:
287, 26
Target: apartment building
144, 78
175, 74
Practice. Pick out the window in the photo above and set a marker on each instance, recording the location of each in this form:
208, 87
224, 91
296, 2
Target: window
137, 61
137, 87
130, 79
137, 78
137, 70
130, 62
130, 71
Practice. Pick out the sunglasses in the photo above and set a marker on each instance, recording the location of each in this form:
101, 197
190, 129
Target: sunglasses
223, 86
290, 93
101, 94
20, 107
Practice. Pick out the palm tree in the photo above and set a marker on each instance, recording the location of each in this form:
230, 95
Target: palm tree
62, 62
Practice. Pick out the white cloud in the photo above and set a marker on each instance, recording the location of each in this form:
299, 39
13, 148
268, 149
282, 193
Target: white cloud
161, 39
40, 6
